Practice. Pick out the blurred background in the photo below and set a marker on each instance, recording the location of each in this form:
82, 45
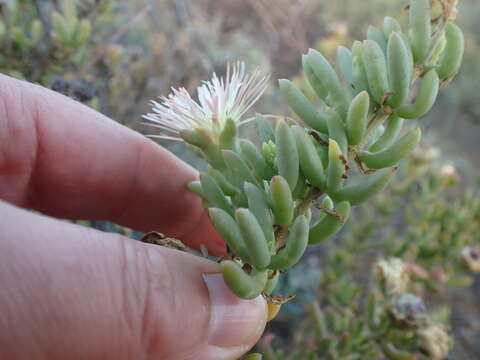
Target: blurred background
116, 56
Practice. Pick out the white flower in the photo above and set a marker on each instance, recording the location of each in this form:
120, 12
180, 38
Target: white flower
426, 153
394, 273
435, 341
448, 171
218, 100
471, 258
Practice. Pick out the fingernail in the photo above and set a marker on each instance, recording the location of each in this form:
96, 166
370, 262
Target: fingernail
233, 321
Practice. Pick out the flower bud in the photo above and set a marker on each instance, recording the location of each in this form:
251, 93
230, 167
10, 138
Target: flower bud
269, 151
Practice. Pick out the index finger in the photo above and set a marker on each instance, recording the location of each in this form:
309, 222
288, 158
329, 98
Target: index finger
66, 160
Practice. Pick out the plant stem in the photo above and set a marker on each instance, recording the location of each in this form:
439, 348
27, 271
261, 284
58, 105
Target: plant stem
300, 209
379, 117
306, 203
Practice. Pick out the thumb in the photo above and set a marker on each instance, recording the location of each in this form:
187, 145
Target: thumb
77, 293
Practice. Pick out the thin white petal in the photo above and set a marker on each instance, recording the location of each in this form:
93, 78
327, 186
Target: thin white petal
219, 99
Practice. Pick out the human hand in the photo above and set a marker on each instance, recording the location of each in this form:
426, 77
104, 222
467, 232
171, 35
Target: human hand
70, 292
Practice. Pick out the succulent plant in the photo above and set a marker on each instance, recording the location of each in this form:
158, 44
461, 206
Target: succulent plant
260, 201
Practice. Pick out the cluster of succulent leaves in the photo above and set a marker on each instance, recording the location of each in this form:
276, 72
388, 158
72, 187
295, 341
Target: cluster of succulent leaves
343, 284
260, 199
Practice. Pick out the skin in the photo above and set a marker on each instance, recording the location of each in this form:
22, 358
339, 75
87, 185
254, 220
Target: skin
70, 292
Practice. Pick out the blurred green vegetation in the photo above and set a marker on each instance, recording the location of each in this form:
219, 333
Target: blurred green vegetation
427, 219
117, 55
